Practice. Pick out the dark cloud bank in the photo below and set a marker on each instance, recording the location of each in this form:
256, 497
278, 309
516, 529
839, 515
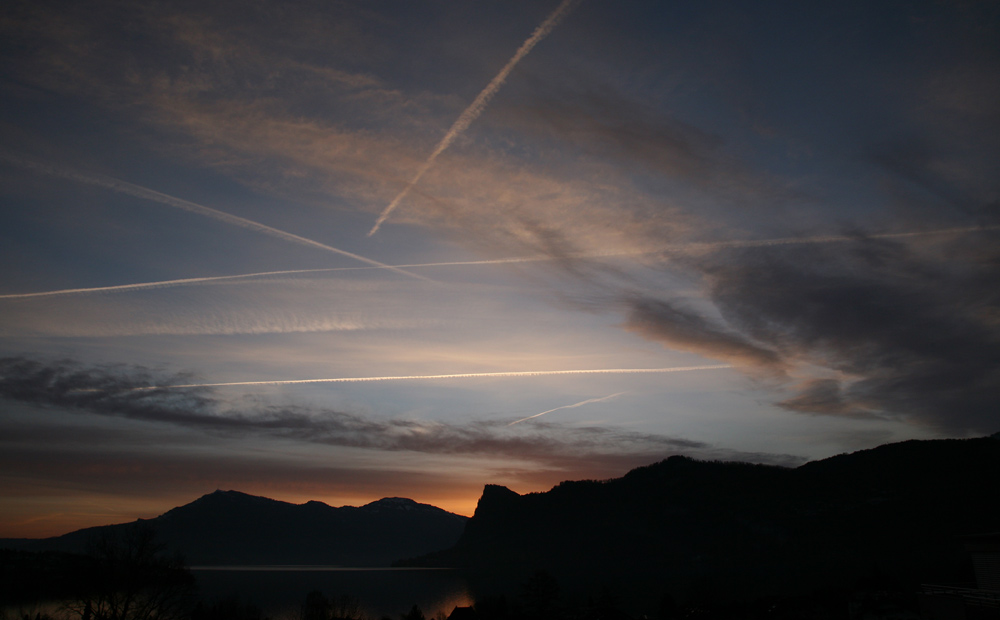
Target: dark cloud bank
908, 331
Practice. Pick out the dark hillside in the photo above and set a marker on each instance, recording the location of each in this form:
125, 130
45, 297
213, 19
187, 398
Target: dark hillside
897, 511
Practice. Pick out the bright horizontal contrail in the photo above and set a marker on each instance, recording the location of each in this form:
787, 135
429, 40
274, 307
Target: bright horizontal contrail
573, 406
476, 108
131, 189
470, 375
706, 246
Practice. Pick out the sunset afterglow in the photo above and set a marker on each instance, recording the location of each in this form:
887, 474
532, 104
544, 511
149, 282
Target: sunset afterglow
342, 251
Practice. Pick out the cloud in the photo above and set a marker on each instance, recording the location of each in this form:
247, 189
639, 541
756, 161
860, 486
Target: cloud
826, 397
605, 124
580, 166
112, 391
912, 331
688, 331
269, 306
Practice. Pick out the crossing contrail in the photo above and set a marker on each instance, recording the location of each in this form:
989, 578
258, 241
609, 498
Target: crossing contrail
573, 406
476, 108
138, 191
470, 375
706, 246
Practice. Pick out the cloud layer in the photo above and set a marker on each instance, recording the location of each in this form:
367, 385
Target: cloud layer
124, 392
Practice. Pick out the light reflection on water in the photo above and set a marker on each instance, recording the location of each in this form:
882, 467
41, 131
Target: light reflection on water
383, 592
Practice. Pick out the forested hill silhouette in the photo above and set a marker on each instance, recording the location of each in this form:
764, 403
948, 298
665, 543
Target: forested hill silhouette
897, 511
229, 527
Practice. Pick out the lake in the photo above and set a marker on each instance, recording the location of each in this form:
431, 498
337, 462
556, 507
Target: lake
280, 590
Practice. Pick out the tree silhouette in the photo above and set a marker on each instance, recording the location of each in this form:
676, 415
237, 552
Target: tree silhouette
346, 607
131, 578
414, 614
315, 607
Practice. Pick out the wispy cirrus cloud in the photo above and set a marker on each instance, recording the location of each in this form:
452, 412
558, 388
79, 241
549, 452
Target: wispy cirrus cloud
321, 305
120, 391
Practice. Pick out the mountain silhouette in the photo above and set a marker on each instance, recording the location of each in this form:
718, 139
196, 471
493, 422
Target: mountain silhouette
897, 512
229, 527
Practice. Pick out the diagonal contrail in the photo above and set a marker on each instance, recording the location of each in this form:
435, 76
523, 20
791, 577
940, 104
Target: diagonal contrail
131, 189
573, 406
165, 283
706, 246
470, 375
476, 108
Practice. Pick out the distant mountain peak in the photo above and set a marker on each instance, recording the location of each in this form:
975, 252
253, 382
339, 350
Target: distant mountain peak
399, 504
394, 501
495, 497
219, 494
231, 527
220, 500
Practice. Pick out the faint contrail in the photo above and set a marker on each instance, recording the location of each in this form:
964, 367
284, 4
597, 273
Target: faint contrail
471, 375
476, 108
688, 247
119, 288
164, 283
573, 406
678, 248
124, 187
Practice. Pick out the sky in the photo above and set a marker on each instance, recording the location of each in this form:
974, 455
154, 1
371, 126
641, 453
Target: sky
768, 231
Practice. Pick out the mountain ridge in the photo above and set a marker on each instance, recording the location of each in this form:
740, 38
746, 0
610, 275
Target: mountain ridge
231, 527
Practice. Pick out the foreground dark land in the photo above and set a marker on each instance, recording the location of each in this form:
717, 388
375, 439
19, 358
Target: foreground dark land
851, 536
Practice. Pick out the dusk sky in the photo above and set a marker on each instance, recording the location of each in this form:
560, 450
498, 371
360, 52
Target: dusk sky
786, 214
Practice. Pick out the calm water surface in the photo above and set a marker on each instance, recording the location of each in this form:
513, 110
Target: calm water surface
280, 590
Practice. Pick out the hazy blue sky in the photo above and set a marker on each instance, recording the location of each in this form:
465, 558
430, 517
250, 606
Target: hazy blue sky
798, 200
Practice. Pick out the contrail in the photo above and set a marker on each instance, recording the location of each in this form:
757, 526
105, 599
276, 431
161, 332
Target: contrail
124, 187
476, 108
166, 283
706, 246
119, 288
573, 406
471, 375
